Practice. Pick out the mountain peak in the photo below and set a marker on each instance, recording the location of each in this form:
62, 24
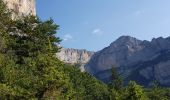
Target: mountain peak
134, 59
125, 37
124, 40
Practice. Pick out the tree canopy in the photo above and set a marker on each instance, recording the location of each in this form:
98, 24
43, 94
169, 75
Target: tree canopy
29, 68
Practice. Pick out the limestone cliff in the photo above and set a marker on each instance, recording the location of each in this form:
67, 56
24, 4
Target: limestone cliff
141, 61
21, 7
75, 56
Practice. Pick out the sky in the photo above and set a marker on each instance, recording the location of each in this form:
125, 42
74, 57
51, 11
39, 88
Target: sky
94, 24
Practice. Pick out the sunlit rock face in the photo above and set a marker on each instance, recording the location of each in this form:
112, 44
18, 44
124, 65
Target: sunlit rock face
75, 56
21, 7
141, 61
122, 52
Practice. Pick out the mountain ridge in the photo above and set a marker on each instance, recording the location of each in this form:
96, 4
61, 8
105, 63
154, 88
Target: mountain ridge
75, 56
125, 52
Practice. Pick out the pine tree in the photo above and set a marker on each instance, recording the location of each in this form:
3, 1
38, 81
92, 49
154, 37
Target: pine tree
28, 66
134, 92
117, 82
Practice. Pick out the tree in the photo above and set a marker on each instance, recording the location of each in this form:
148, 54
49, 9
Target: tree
158, 93
117, 82
85, 86
134, 92
28, 66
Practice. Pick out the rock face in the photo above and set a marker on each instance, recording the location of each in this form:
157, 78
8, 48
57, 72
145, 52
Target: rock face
142, 61
21, 7
75, 56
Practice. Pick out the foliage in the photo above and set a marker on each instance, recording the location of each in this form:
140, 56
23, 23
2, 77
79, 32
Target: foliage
158, 93
28, 67
134, 92
30, 70
85, 86
117, 82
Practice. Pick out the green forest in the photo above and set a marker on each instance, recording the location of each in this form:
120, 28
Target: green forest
29, 69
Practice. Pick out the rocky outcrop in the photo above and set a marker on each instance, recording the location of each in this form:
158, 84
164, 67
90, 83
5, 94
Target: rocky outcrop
135, 60
159, 72
75, 56
21, 7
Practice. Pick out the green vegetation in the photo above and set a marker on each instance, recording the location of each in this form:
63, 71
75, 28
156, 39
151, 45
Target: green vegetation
85, 86
28, 67
30, 71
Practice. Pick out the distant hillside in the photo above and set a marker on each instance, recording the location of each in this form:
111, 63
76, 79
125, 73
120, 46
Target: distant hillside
75, 56
142, 61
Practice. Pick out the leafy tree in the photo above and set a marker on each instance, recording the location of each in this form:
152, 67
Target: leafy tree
134, 92
85, 86
29, 68
158, 93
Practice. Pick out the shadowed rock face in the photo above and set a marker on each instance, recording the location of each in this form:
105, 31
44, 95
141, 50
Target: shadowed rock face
21, 7
130, 55
75, 56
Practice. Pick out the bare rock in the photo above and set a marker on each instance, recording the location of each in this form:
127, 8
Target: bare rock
135, 60
21, 7
75, 56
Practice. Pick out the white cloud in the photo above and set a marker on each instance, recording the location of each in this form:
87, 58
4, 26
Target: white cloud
67, 37
97, 32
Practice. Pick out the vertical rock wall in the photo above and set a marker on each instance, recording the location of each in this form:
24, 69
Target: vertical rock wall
21, 7
75, 56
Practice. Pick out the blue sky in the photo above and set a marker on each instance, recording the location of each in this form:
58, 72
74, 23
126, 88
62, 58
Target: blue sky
94, 24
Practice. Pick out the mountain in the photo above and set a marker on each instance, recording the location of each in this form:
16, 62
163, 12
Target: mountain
75, 56
21, 7
141, 61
